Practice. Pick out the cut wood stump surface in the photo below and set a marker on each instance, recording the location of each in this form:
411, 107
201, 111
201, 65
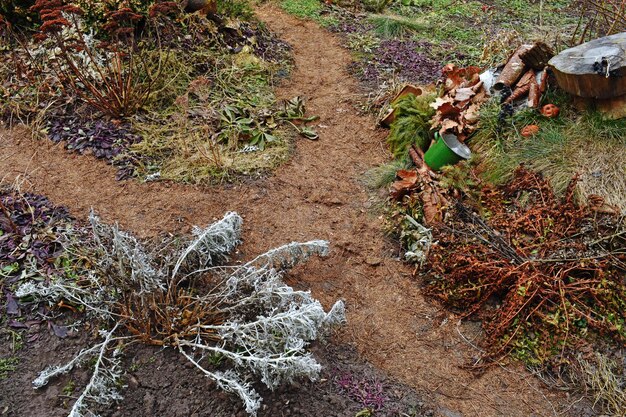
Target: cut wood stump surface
596, 69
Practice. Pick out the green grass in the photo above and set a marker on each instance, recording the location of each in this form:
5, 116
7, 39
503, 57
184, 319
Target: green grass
394, 26
7, 365
383, 175
304, 9
459, 31
236, 8
576, 142
307, 9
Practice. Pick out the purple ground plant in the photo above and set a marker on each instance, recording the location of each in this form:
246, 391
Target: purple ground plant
400, 58
30, 227
102, 138
34, 234
393, 57
267, 45
369, 393
348, 23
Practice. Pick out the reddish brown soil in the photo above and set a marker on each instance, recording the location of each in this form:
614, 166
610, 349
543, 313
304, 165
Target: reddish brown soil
315, 195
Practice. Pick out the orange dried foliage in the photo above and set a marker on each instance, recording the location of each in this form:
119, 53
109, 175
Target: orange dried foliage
457, 110
539, 257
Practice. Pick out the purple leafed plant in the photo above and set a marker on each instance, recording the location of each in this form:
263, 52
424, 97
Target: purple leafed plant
31, 229
104, 139
348, 24
266, 45
399, 57
370, 394
32, 237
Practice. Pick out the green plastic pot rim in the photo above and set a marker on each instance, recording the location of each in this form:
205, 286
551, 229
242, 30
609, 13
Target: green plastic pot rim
455, 145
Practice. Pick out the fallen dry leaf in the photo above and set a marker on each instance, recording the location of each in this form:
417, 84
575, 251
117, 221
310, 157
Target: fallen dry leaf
472, 114
457, 111
406, 183
464, 94
530, 130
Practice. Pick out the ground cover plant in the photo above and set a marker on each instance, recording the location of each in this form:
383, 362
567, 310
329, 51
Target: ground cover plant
200, 117
556, 267
33, 236
233, 323
410, 41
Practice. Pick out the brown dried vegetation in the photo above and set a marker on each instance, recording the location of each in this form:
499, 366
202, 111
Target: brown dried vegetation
542, 274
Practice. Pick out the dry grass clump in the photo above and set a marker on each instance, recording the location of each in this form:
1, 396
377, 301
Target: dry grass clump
603, 378
218, 124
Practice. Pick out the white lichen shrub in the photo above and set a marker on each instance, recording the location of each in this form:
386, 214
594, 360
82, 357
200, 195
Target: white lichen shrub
93, 293
256, 324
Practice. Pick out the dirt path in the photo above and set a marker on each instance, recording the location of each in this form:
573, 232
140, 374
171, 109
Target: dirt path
316, 195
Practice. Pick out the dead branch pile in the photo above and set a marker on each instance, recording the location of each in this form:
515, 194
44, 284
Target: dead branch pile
600, 18
541, 274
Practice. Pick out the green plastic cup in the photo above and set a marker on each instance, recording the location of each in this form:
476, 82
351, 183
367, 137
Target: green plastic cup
447, 150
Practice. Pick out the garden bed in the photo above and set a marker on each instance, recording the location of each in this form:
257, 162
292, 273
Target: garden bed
158, 93
389, 322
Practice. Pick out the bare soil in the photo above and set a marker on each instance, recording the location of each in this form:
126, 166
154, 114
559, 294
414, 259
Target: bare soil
317, 194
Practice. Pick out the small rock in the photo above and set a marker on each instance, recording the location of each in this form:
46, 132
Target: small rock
373, 261
133, 383
335, 202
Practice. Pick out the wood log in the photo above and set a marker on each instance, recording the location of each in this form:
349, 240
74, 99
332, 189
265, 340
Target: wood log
526, 79
596, 69
534, 94
537, 56
543, 81
523, 86
611, 108
513, 70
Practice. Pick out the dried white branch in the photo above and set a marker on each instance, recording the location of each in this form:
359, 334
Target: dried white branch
287, 256
102, 387
95, 296
230, 381
213, 243
126, 257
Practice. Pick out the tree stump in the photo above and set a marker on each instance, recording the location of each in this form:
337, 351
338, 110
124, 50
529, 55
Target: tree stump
596, 69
